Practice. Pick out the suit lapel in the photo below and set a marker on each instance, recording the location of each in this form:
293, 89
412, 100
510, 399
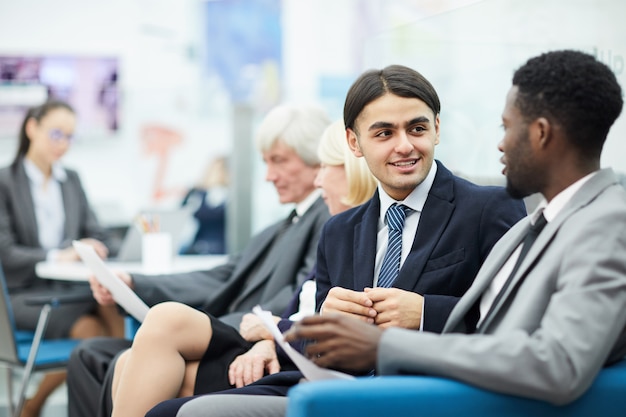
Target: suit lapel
276, 252
262, 255
261, 246
490, 268
536, 249
365, 236
435, 215
582, 197
235, 285
26, 206
71, 210
588, 192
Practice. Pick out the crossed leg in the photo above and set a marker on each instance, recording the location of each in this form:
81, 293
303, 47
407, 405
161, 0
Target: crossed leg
163, 360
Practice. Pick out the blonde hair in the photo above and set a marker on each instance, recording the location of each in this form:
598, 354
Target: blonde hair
334, 150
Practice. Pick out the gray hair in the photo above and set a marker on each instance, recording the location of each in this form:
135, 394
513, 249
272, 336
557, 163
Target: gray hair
299, 127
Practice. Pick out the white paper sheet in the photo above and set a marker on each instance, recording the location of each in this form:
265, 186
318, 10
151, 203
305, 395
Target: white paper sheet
122, 294
310, 370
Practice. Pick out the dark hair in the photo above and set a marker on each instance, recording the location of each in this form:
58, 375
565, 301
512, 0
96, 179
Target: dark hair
37, 113
396, 79
574, 90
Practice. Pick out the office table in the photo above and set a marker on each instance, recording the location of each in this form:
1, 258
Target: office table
78, 271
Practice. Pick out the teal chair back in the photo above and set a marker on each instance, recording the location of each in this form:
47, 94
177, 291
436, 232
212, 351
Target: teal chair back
407, 396
28, 350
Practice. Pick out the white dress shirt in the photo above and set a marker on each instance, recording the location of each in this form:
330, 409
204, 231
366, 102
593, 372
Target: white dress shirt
48, 203
306, 204
550, 211
415, 201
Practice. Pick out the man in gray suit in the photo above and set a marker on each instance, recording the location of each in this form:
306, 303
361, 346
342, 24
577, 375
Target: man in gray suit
268, 271
562, 316
548, 325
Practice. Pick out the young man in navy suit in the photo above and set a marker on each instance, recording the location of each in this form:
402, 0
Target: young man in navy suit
546, 326
450, 225
392, 120
551, 309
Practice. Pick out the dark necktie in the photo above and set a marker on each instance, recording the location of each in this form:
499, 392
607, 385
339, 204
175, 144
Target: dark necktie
530, 238
391, 262
292, 218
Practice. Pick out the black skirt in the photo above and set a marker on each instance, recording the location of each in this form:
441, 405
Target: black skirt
62, 317
226, 344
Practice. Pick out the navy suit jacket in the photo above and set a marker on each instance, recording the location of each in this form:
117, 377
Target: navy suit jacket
459, 225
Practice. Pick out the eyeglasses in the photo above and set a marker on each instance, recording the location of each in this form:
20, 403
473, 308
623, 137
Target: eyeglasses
57, 135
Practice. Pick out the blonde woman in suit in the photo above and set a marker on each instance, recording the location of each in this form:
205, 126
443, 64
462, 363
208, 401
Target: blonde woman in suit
43, 207
173, 339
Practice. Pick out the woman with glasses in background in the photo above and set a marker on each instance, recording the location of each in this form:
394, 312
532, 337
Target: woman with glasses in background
43, 208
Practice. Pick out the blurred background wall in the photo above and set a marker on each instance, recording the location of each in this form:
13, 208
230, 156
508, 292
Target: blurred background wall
195, 77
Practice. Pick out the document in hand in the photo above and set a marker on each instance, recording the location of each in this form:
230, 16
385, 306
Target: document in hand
311, 371
122, 294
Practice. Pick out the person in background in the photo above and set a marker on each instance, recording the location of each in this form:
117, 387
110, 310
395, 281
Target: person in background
267, 271
208, 200
43, 208
172, 342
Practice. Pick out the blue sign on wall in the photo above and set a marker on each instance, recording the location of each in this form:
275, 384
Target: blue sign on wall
244, 46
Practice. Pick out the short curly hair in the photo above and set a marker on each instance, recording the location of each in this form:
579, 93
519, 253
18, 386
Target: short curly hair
574, 90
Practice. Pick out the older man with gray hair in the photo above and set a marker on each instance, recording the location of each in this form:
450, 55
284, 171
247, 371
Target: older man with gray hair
267, 272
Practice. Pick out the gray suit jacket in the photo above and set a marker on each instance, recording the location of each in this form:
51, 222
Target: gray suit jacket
263, 273
567, 320
19, 237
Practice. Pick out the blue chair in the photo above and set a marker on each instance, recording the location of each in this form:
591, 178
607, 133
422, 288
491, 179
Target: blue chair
131, 325
28, 350
403, 396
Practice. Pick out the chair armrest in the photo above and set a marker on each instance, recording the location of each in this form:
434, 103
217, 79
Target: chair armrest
58, 299
131, 325
437, 397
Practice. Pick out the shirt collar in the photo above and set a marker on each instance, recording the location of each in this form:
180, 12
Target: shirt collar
306, 204
552, 209
35, 175
415, 200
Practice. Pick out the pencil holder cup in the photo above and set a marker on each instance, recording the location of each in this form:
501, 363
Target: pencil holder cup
156, 253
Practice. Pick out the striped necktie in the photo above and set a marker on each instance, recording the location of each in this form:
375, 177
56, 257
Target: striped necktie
390, 268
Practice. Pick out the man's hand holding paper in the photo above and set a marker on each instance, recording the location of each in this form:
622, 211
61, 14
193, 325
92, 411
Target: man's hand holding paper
117, 288
310, 370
